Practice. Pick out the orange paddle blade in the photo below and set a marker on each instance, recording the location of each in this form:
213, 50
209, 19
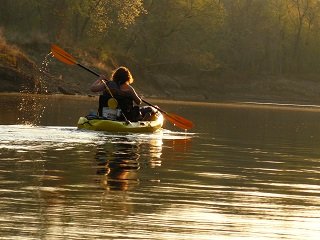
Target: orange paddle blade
62, 55
178, 121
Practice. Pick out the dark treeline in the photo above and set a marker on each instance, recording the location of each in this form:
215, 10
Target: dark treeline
216, 38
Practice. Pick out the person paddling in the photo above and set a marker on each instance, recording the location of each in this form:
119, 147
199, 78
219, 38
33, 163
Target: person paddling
120, 88
67, 58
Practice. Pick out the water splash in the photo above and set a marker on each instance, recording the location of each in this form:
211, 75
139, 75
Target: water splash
30, 108
41, 83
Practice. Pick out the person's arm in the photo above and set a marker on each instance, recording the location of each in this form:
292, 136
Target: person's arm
135, 96
98, 85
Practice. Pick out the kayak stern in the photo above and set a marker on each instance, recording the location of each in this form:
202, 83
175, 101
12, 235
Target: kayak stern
120, 126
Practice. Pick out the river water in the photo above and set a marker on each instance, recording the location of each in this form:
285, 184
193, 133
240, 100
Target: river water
246, 171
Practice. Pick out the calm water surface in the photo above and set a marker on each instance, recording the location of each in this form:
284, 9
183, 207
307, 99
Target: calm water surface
244, 172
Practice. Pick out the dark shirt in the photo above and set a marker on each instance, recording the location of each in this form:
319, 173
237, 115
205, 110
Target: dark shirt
125, 100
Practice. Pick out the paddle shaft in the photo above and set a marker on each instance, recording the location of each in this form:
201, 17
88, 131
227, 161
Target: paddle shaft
89, 70
160, 110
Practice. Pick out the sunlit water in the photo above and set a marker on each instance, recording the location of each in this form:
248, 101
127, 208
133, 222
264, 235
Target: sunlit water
244, 171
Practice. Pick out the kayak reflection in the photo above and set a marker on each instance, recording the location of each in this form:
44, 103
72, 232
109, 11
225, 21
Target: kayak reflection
118, 166
119, 162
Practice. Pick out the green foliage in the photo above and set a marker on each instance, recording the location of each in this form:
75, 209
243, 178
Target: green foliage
69, 20
272, 37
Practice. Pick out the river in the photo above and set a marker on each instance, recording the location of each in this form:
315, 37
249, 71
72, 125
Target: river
245, 171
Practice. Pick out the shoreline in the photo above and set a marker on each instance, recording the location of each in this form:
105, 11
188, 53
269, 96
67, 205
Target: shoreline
226, 104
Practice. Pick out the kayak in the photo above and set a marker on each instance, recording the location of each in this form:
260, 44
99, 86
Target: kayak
106, 125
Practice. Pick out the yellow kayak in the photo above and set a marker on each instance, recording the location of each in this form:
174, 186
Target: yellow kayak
120, 126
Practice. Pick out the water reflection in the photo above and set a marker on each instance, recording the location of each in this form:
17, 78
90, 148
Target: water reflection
181, 145
252, 179
119, 162
118, 165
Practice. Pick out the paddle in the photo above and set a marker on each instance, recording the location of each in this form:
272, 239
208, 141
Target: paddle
173, 118
65, 57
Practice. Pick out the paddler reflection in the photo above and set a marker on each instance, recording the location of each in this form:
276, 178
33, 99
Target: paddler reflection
118, 165
124, 161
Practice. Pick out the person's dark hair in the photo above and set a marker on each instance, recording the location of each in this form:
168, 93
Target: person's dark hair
122, 75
